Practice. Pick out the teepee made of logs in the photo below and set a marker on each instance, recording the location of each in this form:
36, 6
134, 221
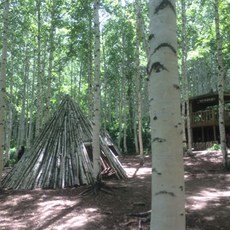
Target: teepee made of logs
61, 155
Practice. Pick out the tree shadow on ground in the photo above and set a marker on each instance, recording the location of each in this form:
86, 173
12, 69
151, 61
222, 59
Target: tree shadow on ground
207, 200
66, 209
207, 192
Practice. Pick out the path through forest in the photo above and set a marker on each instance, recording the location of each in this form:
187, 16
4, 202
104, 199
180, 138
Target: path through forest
207, 200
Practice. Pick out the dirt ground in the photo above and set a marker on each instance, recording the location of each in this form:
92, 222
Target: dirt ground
207, 200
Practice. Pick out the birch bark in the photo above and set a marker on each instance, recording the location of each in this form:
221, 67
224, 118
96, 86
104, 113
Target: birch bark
90, 68
184, 71
39, 102
166, 131
96, 111
22, 122
3, 83
50, 61
138, 81
31, 126
220, 85
10, 109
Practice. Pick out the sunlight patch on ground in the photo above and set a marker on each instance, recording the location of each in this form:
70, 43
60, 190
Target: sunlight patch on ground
201, 200
142, 171
13, 201
209, 218
78, 220
46, 208
213, 193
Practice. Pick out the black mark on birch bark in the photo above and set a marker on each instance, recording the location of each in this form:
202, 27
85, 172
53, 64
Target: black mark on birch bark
163, 5
165, 192
157, 67
151, 36
176, 86
155, 170
165, 45
151, 99
158, 139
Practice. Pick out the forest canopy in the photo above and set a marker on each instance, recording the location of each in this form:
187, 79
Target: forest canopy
50, 54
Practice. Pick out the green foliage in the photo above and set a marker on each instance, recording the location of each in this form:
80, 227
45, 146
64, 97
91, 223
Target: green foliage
73, 39
215, 147
13, 158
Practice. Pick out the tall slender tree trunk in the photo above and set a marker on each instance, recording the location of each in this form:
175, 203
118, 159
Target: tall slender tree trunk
135, 130
168, 210
97, 91
141, 28
105, 108
138, 82
186, 106
39, 99
3, 83
125, 126
31, 121
22, 123
220, 85
9, 121
50, 61
80, 81
90, 69
120, 119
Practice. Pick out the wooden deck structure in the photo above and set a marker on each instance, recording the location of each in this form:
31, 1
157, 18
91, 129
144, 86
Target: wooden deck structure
204, 119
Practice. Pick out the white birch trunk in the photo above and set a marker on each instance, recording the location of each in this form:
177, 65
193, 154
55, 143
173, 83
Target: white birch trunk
186, 106
3, 84
31, 129
138, 82
39, 72
141, 28
90, 69
168, 199
220, 85
9, 121
50, 61
96, 111
8, 131
120, 121
125, 128
22, 123
135, 130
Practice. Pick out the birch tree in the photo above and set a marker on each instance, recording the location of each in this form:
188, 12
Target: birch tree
138, 81
166, 139
220, 85
96, 111
39, 99
51, 57
185, 105
90, 65
22, 122
3, 83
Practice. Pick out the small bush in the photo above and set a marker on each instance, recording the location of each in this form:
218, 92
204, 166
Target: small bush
13, 158
215, 147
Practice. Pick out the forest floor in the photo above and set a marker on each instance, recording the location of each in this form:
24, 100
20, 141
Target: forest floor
207, 200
